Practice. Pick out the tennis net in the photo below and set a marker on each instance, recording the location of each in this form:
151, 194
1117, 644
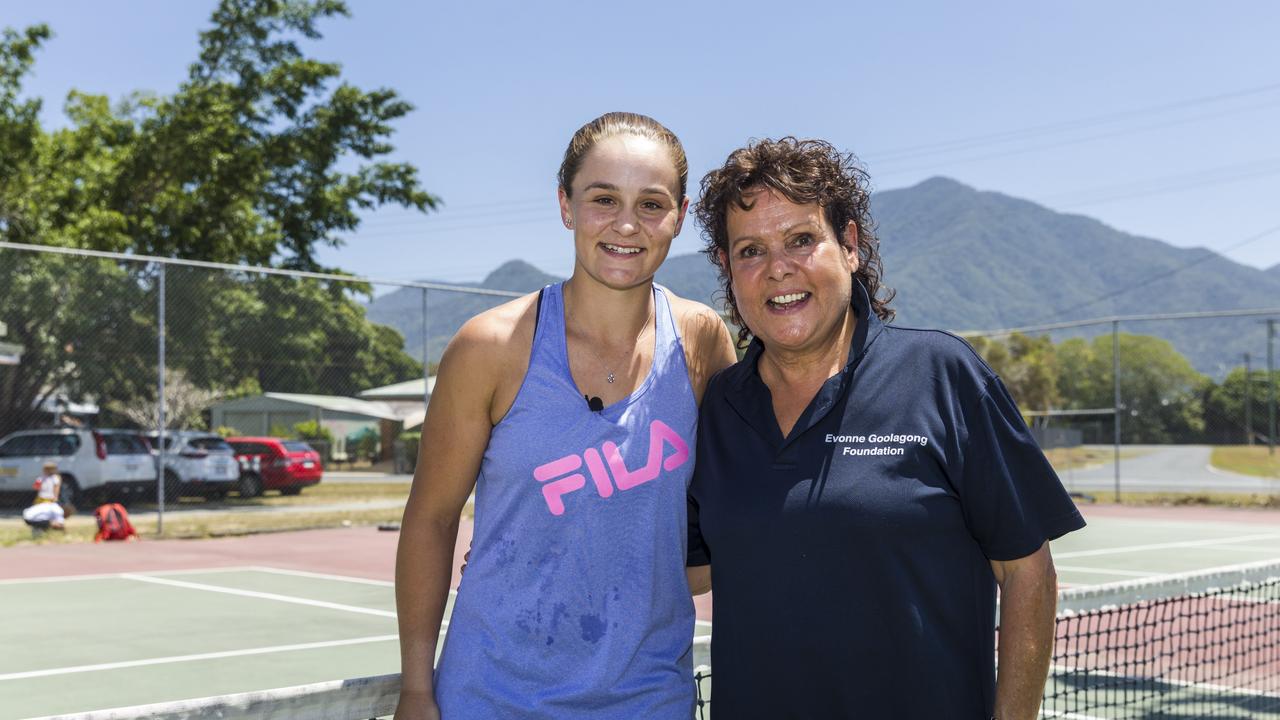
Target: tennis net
1195, 645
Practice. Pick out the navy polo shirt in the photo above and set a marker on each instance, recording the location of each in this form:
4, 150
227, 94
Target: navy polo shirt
850, 560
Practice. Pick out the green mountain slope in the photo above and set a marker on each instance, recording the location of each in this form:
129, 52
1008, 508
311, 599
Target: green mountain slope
964, 259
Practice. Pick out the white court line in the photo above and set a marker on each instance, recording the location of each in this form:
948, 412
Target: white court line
201, 656
1107, 571
1251, 548
117, 576
1164, 546
1069, 715
262, 595
1058, 671
323, 576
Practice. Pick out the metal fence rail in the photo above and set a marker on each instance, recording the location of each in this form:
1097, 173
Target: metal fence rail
112, 340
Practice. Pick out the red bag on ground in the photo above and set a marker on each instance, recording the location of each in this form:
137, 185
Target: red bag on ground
113, 523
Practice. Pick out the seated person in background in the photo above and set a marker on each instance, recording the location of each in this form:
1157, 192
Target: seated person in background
46, 512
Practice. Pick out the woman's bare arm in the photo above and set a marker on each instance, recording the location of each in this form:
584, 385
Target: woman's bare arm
454, 437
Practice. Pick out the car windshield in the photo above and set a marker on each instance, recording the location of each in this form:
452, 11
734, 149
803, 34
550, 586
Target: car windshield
32, 446
296, 446
38, 445
210, 444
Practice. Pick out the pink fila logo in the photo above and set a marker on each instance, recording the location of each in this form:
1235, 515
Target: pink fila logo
559, 483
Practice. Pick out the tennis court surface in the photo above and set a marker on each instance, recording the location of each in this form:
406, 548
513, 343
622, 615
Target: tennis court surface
1167, 614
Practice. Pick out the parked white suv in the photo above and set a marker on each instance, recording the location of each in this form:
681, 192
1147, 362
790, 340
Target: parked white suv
197, 463
94, 464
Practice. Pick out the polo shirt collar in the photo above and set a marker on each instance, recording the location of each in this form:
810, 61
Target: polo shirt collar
751, 397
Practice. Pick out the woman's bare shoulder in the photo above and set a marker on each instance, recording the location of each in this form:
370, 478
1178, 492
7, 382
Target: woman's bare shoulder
697, 322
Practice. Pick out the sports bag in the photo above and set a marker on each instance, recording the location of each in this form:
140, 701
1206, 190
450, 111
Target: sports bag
113, 523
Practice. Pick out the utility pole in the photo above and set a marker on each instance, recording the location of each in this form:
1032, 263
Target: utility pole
1248, 399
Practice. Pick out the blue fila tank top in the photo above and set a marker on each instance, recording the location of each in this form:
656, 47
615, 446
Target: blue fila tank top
575, 602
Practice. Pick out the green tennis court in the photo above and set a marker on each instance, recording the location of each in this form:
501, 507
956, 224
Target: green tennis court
102, 641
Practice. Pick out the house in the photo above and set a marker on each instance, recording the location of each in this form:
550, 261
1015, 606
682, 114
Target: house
347, 419
408, 399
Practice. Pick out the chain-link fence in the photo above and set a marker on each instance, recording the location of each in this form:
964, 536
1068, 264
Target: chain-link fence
274, 383
279, 383
1180, 404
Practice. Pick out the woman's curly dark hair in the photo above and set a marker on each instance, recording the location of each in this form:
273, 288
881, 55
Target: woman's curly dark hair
803, 171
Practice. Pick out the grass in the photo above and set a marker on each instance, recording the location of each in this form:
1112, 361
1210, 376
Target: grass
212, 523
1200, 499
1247, 460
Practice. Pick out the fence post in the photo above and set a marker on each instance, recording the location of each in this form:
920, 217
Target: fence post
1271, 384
1115, 377
426, 365
1248, 399
160, 414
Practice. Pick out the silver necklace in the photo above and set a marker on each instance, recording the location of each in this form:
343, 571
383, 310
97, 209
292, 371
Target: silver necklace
645, 326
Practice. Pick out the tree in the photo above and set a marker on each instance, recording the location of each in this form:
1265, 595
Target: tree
1160, 391
184, 404
1224, 407
1027, 365
259, 157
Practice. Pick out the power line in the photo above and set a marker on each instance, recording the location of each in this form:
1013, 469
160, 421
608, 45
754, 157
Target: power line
473, 211
1071, 141
1209, 254
1075, 124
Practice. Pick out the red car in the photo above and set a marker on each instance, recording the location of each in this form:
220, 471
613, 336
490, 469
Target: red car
268, 463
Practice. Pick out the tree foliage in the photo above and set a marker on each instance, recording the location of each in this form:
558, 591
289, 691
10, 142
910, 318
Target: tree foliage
1027, 365
1162, 396
260, 157
1225, 406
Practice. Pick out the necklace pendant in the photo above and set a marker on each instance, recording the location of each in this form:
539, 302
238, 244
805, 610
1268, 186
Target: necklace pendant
610, 378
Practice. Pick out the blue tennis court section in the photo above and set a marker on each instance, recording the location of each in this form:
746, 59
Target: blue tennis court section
76, 644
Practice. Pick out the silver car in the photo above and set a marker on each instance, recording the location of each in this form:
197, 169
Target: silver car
95, 465
197, 463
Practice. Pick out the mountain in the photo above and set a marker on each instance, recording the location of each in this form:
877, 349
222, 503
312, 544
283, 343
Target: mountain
965, 259
446, 311
970, 260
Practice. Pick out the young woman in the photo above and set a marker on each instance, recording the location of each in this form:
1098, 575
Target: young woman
571, 413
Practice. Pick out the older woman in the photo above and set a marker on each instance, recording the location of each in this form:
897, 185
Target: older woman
861, 489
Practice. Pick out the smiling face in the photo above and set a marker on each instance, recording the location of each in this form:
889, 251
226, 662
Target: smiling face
624, 210
791, 273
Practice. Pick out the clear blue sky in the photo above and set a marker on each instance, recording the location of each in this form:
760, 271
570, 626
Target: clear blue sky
1158, 118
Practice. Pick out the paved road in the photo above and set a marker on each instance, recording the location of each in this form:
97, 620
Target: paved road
1166, 468
357, 476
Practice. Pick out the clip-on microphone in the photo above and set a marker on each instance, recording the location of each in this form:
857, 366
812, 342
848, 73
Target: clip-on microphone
595, 403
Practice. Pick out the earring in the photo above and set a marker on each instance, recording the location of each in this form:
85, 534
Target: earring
568, 222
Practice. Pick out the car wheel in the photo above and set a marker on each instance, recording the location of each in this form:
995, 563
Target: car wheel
172, 487
93, 497
291, 490
250, 485
71, 494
